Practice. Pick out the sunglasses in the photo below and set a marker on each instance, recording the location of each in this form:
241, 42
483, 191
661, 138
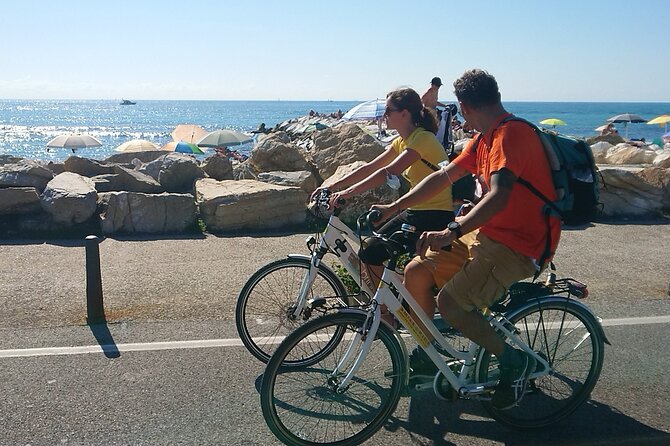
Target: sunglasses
388, 110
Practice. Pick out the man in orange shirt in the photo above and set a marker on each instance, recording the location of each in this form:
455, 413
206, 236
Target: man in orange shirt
498, 242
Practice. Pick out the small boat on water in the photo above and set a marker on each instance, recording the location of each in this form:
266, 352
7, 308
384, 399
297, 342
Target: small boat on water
127, 102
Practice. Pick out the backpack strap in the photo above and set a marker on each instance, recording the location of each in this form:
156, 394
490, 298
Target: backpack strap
429, 164
549, 205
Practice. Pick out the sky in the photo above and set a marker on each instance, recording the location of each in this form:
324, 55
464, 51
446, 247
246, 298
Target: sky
568, 50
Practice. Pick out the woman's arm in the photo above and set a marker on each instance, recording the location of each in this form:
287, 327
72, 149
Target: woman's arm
430, 186
359, 174
378, 177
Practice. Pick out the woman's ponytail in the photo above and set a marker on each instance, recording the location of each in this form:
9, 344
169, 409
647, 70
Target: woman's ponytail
408, 99
428, 120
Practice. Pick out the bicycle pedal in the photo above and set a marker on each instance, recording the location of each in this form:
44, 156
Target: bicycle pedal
421, 383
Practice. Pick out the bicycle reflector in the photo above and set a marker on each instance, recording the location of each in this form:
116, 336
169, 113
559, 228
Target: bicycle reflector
578, 289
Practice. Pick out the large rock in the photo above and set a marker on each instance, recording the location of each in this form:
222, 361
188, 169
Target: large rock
361, 203
600, 150
245, 171
25, 173
9, 159
107, 183
87, 167
175, 172
134, 181
70, 198
627, 154
128, 157
133, 212
659, 178
634, 192
19, 200
612, 139
275, 153
249, 205
662, 159
341, 145
218, 167
303, 179
56, 168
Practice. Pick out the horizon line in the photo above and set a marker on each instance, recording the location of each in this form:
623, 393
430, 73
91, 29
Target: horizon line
328, 100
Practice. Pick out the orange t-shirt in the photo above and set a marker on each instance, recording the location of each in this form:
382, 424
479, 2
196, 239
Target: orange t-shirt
521, 225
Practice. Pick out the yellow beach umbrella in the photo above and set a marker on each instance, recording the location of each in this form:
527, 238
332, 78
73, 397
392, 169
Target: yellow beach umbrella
137, 145
661, 120
553, 122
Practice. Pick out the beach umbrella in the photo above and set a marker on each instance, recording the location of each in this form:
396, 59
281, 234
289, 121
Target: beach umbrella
137, 145
188, 133
182, 147
73, 141
661, 120
367, 110
223, 138
627, 118
553, 122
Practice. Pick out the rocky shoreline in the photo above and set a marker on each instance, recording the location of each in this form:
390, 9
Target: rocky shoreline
165, 193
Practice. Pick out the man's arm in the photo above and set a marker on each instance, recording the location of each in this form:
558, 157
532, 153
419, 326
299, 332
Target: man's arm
493, 202
430, 186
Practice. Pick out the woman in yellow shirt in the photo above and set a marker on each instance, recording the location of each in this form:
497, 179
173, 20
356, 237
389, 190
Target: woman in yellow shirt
415, 155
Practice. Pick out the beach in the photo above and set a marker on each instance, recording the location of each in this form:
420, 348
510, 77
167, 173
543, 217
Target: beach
27, 125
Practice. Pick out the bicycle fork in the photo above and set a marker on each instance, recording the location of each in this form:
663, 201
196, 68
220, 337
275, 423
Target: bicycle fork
306, 285
362, 339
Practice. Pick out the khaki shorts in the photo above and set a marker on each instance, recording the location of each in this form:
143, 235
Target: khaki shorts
477, 271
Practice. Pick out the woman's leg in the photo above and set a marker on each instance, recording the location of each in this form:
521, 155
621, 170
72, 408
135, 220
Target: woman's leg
420, 284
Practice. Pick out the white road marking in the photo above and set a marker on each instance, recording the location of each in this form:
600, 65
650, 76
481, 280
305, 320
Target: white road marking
209, 343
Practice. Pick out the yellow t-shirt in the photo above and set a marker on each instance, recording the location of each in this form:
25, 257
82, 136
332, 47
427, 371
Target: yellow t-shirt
429, 148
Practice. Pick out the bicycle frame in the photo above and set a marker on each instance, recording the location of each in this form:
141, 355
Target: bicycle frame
424, 332
338, 239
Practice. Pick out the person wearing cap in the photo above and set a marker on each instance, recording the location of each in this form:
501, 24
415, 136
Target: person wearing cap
429, 98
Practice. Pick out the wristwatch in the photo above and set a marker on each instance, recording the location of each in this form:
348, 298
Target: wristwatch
455, 227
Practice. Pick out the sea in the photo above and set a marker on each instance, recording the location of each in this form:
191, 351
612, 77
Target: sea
27, 125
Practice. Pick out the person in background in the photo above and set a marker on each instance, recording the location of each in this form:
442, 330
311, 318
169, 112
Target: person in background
429, 98
609, 130
503, 235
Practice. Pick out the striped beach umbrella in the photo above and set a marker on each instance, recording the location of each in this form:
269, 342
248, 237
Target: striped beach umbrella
182, 147
366, 111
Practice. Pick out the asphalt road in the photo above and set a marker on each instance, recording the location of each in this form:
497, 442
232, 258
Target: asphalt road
184, 290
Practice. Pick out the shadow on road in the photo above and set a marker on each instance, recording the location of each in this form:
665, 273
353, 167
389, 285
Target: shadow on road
105, 340
592, 423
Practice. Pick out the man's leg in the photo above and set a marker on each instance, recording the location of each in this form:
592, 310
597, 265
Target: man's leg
471, 323
493, 268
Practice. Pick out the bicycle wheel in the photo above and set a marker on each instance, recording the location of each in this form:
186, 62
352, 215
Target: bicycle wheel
567, 336
264, 306
303, 406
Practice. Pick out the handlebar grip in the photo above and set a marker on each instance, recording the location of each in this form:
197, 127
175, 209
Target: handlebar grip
375, 216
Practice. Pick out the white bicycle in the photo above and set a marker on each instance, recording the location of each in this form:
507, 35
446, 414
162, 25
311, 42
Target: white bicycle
336, 379
282, 295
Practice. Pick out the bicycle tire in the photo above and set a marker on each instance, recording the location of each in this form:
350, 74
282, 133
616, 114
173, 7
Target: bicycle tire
567, 335
301, 405
263, 306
